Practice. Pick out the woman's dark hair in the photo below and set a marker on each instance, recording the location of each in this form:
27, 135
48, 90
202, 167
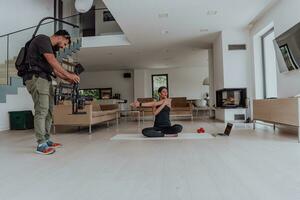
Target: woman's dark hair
161, 88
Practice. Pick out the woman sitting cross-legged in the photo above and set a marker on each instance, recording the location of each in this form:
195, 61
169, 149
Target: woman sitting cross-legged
161, 109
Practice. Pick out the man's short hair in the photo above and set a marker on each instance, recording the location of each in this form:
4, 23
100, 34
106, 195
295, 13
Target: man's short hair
63, 33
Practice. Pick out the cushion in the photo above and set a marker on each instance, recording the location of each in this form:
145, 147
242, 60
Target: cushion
179, 99
180, 104
144, 100
96, 106
103, 112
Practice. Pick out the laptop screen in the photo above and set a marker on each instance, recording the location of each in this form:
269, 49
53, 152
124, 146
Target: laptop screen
228, 129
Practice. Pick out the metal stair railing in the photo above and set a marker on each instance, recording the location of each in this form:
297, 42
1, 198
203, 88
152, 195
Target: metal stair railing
11, 43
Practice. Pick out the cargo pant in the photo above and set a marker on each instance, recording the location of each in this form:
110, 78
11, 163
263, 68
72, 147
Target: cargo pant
42, 94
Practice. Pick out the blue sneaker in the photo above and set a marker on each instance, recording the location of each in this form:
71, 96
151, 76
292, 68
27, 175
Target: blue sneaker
44, 149
53, 144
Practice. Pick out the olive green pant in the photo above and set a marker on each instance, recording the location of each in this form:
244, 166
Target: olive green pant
42, 94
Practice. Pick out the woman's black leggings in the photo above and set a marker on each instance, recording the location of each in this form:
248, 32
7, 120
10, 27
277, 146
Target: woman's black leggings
161, 132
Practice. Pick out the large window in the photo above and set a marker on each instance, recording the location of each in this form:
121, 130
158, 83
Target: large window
94, 93
269, 65
158, 80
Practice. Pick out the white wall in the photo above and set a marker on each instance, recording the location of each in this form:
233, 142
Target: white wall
139, 83
283, 15
109, 79
183, 82
236, 62
218, 62
19, 102
232, 68
211, 72
18, 14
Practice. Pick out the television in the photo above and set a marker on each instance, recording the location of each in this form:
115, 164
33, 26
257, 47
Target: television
287, 48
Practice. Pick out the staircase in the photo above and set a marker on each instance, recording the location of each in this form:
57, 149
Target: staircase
10, 89
7, 72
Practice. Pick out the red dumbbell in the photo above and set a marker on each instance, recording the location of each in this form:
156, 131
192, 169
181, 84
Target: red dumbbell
201, 130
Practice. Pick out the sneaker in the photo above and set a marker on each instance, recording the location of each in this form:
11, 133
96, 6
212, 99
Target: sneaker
53, 144
44, 149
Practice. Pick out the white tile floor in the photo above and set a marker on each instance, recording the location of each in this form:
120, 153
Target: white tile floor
248, 165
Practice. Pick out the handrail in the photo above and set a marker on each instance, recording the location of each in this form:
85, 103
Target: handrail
40, 23
24, 29
54, 19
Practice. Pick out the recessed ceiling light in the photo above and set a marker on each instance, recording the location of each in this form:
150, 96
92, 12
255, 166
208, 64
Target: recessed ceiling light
212, 12
164, 32
163, 15
204, 30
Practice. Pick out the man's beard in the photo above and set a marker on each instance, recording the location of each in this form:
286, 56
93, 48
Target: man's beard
55, 48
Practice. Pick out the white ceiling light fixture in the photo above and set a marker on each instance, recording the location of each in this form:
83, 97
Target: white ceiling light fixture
204, 30
164, 32
163, 15
212, 12
83, 6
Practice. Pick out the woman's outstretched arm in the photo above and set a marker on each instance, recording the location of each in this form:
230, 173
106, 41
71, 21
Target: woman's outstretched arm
137, 104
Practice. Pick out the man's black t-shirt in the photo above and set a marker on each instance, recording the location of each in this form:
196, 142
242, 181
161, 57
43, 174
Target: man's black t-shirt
39, 45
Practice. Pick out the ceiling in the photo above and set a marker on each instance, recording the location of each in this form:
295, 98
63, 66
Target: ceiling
170, 33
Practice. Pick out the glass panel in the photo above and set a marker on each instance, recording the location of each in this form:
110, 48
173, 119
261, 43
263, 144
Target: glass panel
74, 32
47, 28
3, 55
16, 42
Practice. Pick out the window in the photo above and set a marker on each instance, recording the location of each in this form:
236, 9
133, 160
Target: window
269, 65
158, 81
94, 93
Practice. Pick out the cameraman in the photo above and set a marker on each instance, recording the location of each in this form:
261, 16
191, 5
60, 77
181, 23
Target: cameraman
38, 81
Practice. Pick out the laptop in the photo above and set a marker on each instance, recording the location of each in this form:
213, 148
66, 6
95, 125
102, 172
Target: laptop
226, 131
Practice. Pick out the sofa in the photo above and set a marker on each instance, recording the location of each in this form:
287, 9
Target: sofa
62, 115
180, 107
147, 110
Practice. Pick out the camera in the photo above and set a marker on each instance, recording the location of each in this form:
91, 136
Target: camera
62, 92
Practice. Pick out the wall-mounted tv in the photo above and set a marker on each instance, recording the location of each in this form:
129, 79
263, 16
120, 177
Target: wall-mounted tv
287, 48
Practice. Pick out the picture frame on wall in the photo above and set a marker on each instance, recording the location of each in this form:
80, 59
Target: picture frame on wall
105, 93
288, 57
107, 16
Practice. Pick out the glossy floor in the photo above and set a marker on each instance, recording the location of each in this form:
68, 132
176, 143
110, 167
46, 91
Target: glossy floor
248, 165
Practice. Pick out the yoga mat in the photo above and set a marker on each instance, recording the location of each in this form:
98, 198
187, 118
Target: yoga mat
183, 136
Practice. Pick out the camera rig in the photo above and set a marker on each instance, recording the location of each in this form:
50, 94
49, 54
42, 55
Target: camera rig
78, 101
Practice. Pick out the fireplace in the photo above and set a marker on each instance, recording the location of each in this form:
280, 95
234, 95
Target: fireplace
231, 98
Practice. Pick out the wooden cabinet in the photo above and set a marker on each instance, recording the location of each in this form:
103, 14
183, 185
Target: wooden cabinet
278, 111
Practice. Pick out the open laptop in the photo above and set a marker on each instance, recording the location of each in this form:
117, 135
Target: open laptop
226, 131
